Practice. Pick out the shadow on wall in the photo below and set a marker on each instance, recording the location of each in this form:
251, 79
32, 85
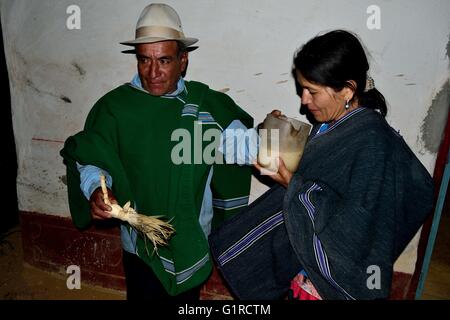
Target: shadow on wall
8, 160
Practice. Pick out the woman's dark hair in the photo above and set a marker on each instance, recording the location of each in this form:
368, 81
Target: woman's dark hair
335, 58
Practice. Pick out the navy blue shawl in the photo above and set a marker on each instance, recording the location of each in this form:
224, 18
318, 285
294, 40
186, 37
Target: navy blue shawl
357, 199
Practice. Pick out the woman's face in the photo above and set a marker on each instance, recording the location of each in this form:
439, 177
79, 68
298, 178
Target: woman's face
324, 103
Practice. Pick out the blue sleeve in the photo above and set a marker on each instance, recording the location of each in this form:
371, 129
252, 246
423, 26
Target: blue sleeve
90, 179
238, 144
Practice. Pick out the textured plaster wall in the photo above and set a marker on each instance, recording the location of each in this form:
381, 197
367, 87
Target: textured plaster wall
245, 49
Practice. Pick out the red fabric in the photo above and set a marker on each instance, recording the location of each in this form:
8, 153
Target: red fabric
303, 289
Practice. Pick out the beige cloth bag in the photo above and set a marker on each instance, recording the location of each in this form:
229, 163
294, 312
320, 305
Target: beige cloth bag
282, 137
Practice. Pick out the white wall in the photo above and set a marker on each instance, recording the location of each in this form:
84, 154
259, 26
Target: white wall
245, 47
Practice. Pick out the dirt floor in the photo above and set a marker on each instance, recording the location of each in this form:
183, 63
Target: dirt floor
20, 281
437, 283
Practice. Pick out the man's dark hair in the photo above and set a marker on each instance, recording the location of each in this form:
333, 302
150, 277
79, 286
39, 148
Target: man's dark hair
181, 48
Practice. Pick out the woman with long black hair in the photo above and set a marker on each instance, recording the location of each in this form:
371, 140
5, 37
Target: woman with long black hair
335, 227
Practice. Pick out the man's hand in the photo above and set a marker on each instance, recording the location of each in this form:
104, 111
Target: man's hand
276, 113
99, 209
283, 176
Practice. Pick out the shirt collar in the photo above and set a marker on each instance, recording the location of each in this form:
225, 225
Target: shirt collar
181, 86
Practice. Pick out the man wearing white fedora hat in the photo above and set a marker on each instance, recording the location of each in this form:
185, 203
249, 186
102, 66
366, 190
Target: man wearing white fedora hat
130, 137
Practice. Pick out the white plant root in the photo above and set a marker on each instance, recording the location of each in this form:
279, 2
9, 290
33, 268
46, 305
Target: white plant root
158, 231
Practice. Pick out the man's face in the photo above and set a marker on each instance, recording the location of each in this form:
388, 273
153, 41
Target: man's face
160, 66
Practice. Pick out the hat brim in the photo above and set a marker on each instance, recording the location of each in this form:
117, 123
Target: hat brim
133, 51
186, 41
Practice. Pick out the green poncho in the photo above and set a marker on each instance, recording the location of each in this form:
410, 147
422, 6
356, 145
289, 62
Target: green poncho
133, 136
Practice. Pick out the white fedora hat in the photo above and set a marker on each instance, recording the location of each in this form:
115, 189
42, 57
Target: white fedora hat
159, 22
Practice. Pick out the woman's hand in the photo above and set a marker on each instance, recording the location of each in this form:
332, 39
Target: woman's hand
283, 176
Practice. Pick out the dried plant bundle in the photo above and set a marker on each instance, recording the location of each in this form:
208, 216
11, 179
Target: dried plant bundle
155, 229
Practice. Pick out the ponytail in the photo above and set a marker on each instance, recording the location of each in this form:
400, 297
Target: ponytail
373, 99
